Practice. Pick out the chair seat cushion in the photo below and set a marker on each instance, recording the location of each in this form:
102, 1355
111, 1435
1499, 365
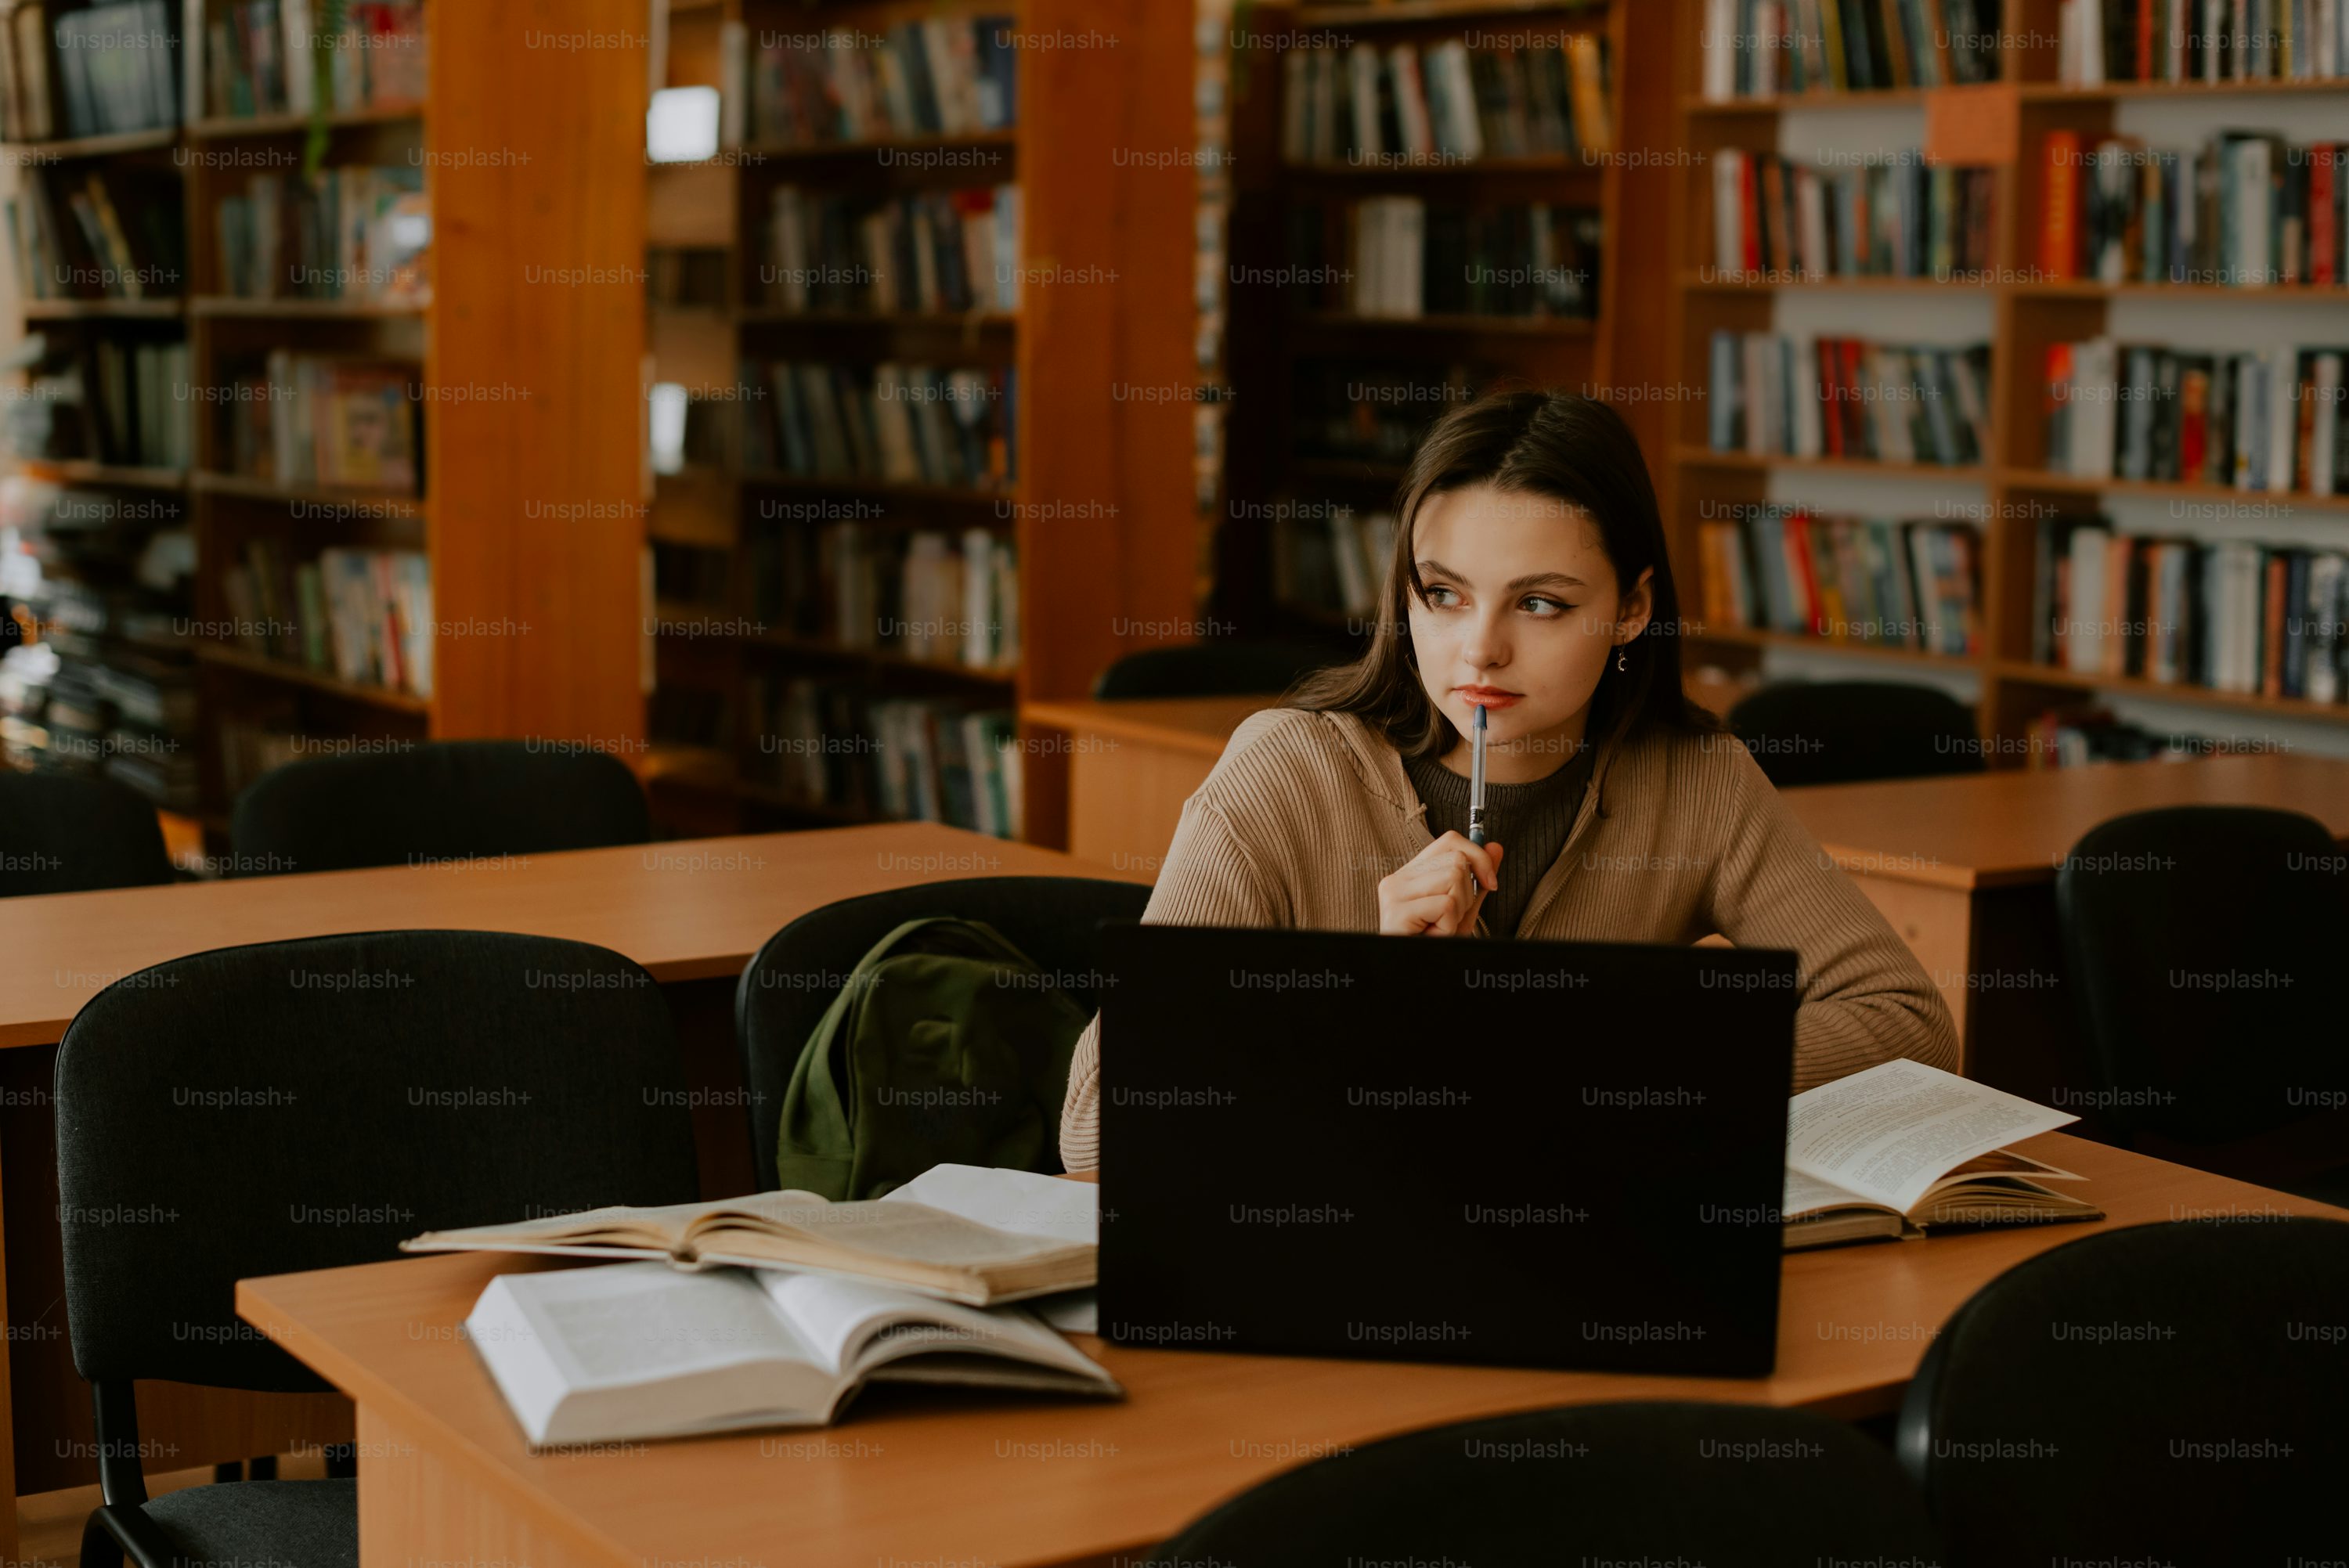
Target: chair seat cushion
291, 1523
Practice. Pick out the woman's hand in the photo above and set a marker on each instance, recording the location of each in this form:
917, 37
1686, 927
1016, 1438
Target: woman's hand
1440, 891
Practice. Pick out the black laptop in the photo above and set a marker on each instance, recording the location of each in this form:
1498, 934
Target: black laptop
1436, 1148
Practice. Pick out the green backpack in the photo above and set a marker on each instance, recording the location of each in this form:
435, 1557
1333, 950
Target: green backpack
945, 1044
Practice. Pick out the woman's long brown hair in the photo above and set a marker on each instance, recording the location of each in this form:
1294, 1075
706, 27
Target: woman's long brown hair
1570, 448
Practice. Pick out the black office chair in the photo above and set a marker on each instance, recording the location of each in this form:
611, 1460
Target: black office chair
1223, 667
787, 986
1647, 1482
2204, 947
1851, 732
66, 833
304, 1105
444, 800
2165, 1393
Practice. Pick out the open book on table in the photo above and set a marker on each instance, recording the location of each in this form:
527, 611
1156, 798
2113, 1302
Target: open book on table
910, 1244
642, 1351
1902, 1147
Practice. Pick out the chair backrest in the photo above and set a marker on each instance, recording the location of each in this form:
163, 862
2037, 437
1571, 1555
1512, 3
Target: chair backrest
2204, 947
1218, 668
444, 800
786, 987
1851, 732
301, 1105
2167, 1393
66, 833
1648, 1482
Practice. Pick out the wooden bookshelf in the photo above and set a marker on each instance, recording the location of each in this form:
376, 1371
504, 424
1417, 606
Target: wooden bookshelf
530, 392
1090, 588
1278, 345
2011, 494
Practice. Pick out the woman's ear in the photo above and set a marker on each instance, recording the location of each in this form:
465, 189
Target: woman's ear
1634, 609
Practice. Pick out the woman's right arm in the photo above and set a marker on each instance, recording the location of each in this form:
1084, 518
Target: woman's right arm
1208, 879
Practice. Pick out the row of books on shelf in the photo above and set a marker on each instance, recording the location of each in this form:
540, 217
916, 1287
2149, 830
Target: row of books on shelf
2201, 40
923, 594
341, 421
1354, 411
835, 744
1755, 48
1331, 557
106, 400
2248, 209
97, 233
1803, 397
692, 275
1401, 256
897, 424
1875, 581
927, 251
941, 75
276, 57
98, 70
351, 232
2267, 420
1447, 103
2228, 614
364, 617
1896, 218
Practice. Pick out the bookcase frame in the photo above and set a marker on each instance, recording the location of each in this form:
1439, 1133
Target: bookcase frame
1091, 587
2027, 314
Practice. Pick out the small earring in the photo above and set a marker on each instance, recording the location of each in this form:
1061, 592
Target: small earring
1622, 658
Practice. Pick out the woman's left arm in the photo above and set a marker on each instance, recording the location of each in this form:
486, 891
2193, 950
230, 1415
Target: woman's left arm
1866, 999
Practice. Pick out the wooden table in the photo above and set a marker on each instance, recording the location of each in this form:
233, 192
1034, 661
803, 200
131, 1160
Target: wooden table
1964, 868
692, 912
1132, 764
927, 1476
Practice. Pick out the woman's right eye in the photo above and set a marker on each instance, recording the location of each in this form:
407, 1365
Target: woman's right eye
1439, 597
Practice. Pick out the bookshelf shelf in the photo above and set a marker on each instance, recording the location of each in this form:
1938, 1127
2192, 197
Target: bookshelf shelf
75, 470
227, 129
1466, 325
942, 495
819, 647
63, 149
1558, 166
238, 307
102, 309
373, 502
262, 666
2032, 312
2024, 673
1759, 637
1408, 11
2162, 489
1705, 458
1003, 141
984, 321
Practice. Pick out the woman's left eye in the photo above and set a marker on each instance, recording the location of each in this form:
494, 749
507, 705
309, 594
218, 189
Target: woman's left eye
1542, 606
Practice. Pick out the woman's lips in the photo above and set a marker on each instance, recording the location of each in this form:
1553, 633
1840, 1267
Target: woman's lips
1486, 697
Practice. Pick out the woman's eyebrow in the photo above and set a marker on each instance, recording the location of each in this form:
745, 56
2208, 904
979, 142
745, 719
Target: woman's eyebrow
1437, 568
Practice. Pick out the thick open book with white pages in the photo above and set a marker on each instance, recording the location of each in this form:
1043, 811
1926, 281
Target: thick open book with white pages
1902, 1147
961, 1249
640, 1351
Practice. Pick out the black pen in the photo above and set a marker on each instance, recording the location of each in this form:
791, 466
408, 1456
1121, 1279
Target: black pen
1476, 781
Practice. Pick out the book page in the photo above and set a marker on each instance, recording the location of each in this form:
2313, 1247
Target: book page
858, 1325
1888, 1133
635, 1323
1021, 1202
1809, 1195
617, 1225
897, 1230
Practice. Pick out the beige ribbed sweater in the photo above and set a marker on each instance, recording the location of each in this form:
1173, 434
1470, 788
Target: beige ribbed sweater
1679, 837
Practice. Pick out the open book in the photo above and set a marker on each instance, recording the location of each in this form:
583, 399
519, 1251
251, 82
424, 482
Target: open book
1902, 1147
908, 1245
640, 1351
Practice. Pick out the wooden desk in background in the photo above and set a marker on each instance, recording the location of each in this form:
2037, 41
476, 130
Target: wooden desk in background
1964, 868
1132, 764
919, 1476
692, 912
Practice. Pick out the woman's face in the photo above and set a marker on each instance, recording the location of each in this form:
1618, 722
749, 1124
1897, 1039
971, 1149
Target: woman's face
1521, 616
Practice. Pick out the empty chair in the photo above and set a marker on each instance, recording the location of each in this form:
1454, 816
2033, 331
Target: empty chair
303, 1105
789, 985
2165, 1393
2204, 946
1850, 732
442, 800
64, 833
1217, 668
1660, 1483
